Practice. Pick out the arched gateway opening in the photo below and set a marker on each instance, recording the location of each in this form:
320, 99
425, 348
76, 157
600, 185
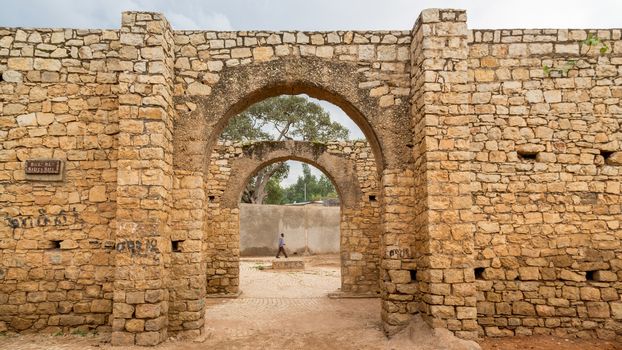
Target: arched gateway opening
353, 174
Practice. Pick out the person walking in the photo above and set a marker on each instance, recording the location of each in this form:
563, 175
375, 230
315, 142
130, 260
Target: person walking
281, 246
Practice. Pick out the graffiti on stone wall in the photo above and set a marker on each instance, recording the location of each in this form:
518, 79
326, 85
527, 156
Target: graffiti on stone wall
402, 253
138, 247
63, 218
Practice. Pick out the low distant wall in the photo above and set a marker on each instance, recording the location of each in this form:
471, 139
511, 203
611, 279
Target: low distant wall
306, 228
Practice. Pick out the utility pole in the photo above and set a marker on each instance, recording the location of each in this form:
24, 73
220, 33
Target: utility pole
305, 191
306, 209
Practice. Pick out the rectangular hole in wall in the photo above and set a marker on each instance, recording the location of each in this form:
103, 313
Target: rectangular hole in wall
176, 246
527, 155
55, 244
211, 199
589, 275
372, 198
479, 273
413, 275
606, 155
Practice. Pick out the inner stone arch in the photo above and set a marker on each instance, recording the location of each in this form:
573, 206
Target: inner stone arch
340, 170
350, 167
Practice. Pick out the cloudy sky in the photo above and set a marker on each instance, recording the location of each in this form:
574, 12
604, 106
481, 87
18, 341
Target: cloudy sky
312, 15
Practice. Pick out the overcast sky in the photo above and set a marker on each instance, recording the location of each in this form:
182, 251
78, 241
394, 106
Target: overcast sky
312, 15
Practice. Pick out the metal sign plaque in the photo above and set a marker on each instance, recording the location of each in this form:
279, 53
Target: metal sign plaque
43, 166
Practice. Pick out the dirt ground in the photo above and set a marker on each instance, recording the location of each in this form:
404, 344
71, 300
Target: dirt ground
547, 343
290, 310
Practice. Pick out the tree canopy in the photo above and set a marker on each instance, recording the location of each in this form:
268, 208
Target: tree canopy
307, 188
284, 118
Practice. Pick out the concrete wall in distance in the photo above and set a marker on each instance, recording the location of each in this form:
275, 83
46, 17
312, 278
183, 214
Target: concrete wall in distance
305, 227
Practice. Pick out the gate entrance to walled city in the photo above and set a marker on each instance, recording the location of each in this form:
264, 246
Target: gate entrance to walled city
355, 170
351, 168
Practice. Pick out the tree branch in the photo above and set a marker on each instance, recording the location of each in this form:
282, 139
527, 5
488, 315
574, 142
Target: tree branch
260, 185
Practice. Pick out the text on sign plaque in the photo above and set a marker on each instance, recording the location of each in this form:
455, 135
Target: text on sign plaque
43, 167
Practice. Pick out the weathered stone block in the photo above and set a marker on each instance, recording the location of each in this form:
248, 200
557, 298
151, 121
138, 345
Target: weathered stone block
263, 53
122, 310
590, 293
197, 88
47, 64
286, 264
20, 63
523, 308
12, 76
135, 297
98, 194
147, 310
148, 338
156, 324
101, 305
598, 309
529, 273
135, 325
399, 276
154, 296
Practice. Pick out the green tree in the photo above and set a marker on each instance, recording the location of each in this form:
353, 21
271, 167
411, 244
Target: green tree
276, 193
309, 188
267, 180
280, 118
284, 118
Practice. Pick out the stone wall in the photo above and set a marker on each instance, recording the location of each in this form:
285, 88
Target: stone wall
547, 153
488, 198
352, 168
58, 99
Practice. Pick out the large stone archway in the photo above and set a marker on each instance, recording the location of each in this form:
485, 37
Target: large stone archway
351, 168
370, 83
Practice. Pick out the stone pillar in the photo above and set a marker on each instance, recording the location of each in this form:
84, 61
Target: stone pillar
441, 112
223, 249
187, 274
144, 180
398, 288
